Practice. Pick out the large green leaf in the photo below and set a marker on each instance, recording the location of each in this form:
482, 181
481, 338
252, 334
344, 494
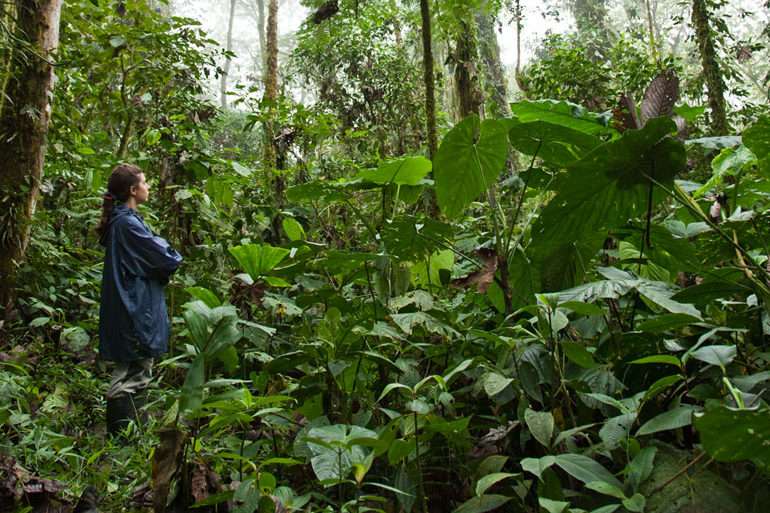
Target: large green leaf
585, 469
757, 139
675, 418
601, 192
258, 259
562, 113
541, 425
557, 145
469, 160
192, 389
537, 465
403, 171
335, 450
482, 504
735, 435
621, 283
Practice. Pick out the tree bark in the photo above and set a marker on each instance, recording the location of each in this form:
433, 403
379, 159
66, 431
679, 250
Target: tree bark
428, 76
470, 99
270, 150
228, 61
494, 76
7, 46
711, 73
23, 129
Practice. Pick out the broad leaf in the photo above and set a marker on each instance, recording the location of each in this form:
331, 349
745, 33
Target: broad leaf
600, 192
541, 425
192, 389
403, 171
537, 465
585, 469
735, 435
757, 139
468, 162
486, 482
555, 144
562, 113
258, 259
482, 504
678, 417
716, 355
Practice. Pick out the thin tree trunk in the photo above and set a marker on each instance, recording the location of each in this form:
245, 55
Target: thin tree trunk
270, 150
651, 29
496, 88
262, 35
7, 46
228, 61
712, 74
470, 99
430, 81
518, 17
23, 129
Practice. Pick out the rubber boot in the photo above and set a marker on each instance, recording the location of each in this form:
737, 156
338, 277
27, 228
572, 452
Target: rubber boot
122, 410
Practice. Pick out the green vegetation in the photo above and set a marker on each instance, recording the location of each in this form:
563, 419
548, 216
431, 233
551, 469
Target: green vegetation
565, 309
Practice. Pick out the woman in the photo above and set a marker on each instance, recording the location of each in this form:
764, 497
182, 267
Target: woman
133, 320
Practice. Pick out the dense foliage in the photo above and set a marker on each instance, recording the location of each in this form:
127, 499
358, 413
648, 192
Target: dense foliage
566, 310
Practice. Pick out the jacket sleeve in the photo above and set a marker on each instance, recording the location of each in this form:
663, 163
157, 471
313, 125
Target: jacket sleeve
152, 255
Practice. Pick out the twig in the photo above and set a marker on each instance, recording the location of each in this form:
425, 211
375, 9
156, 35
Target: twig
682, 471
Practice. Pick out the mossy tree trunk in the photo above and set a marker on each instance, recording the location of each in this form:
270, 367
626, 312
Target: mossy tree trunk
23, 129
466, 72
712, 74
496, 90
429, 78
273, 180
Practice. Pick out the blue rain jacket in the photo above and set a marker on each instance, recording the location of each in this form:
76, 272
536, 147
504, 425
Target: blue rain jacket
133, 320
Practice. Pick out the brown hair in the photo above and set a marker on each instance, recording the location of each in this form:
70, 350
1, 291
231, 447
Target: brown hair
122, 178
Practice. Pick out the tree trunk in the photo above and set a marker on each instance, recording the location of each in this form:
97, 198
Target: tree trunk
270, 150
430, 81
23, 129
262, 35
591, 19
651, 30
494, 75
518, 17
7, 27
228, 60
590, 15
711, 72
467, 80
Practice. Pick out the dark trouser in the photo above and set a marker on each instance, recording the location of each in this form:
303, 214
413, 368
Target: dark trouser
130, 378
125, 398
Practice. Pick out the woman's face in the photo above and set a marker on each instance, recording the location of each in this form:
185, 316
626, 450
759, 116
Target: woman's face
141, 191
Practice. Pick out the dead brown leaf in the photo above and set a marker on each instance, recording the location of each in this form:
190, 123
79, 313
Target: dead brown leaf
166, 464
484, 277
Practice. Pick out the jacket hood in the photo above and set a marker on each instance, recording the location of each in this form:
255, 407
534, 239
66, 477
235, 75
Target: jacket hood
118, 211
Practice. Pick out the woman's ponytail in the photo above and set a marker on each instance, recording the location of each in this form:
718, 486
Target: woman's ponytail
108, 203
122, 178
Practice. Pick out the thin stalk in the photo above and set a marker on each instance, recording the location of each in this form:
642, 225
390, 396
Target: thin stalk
423, 504
686, 202
515, 218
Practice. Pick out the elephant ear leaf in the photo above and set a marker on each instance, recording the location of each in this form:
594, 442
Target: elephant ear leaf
661, 96
557, 145
601, 192
469, 160
757, 139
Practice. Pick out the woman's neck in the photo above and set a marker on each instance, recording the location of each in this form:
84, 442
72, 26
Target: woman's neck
131, 203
